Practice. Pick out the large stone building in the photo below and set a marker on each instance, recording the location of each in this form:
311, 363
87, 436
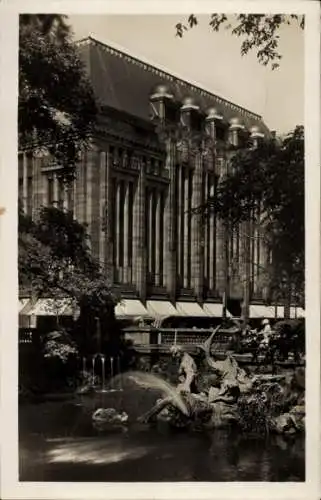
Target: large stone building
158, 151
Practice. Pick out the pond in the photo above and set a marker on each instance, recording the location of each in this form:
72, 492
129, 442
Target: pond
58, 442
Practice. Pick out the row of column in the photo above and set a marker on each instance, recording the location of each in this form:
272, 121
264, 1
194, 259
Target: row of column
137, 214
184, 224
144, 232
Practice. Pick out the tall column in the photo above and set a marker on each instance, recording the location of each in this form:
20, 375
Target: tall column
109, 222
55, 189
187, 216
150, 231
222, 275
91, 156
139, 248
75, 194
103, 208
161, 242
126, 231
81, 198
130, 231
118, 230
264, 262
158, 238
180, 202
45, 190
170, 221
64, 196
41, 185
211, 236
206, 227
197, 230
25, 182
35, 185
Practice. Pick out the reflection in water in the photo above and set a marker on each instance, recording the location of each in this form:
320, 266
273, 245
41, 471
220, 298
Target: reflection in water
88, 451
58, 442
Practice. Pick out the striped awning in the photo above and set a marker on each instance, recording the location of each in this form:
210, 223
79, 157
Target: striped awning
215, 310
52, 307
189, 309
261, 311
24, 306
131, 308
297, 312
160, 308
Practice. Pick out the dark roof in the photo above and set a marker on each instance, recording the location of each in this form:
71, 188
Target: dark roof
123, 82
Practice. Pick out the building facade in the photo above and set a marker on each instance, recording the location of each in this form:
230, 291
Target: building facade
159, 149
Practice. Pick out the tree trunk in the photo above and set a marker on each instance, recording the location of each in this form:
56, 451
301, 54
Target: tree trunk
287, 303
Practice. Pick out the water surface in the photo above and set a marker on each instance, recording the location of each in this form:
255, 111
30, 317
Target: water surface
58, 442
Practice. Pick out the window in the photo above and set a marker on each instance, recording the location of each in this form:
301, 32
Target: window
220, 133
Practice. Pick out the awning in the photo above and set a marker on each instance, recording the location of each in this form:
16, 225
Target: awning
24, 306
160, 308
52, 307
279, 312
129, 307
297, 312
189, 309
215, 310
260, 311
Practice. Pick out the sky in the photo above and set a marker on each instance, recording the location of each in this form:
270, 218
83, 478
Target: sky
211, 60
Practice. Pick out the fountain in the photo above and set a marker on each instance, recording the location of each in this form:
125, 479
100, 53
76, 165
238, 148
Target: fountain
103, 372
175, 337
150, 381
84, 369
103, 388
112, 374
93, 373
120, 387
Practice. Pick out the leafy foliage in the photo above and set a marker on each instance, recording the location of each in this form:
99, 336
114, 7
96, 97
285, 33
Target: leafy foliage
56, 103
55, 259
60, 345
266, 186
259, 32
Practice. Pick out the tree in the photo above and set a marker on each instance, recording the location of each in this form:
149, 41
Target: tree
259, 32
55, 260
56, 108
266, 185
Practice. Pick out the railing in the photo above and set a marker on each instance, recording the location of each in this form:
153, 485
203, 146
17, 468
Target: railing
182, 336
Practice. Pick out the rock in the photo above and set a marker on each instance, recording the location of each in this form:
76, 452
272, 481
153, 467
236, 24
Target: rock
297, 414
223, 415
283, 424
200, 412
109, 417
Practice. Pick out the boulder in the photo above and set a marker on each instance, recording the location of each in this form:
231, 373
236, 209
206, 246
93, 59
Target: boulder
283, 424
104, 418
223, 414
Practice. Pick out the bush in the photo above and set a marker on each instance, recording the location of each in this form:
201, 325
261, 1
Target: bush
59, 345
